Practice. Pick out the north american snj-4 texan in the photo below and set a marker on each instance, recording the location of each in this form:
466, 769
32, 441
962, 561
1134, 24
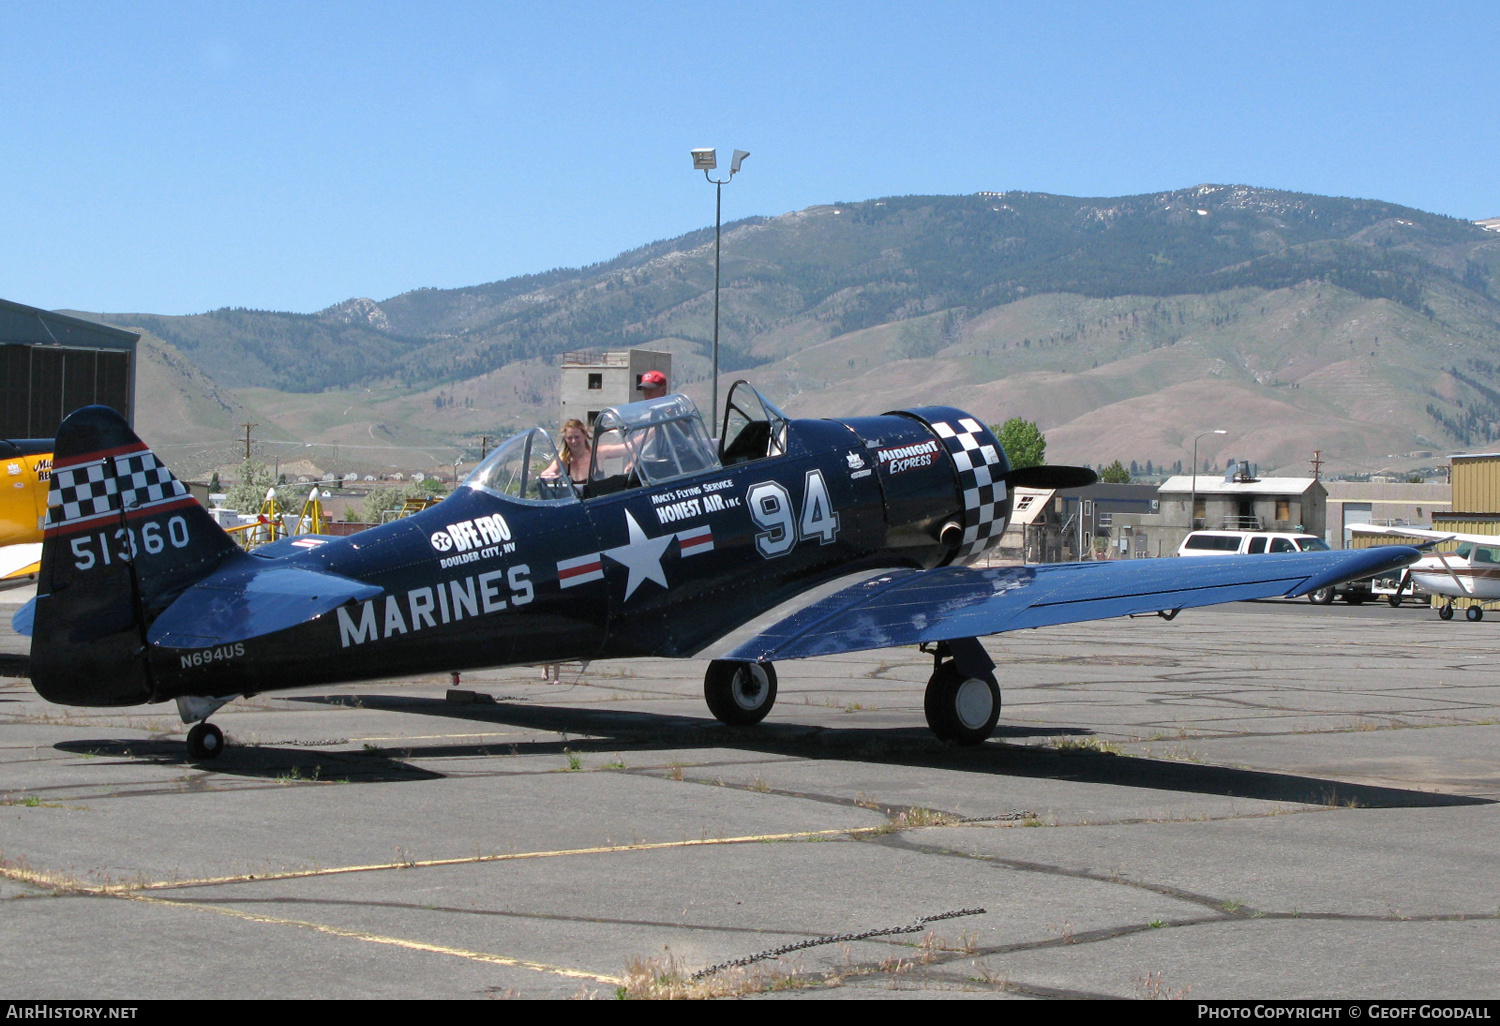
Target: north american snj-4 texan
789, 539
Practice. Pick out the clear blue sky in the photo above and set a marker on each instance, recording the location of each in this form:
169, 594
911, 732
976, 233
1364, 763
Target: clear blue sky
174, 158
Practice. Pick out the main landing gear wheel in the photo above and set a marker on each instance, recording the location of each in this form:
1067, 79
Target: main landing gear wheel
739, 694
205, 741
1394, 600
1321, 597
961, 709
1474, 614
1445, 612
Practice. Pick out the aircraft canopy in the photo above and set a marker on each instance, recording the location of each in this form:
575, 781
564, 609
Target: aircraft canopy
649, 442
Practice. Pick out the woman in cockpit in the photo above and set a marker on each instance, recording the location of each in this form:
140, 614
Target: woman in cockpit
576, 456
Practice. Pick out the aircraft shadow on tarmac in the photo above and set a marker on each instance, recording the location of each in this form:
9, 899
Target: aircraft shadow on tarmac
285, 764
616, 731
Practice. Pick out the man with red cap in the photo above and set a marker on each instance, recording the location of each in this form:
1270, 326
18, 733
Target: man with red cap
653, 385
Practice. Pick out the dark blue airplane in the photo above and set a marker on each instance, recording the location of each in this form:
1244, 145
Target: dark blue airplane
787, 540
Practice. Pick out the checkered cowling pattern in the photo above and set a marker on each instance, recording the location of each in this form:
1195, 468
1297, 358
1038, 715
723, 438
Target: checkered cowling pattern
984, 493
89, 489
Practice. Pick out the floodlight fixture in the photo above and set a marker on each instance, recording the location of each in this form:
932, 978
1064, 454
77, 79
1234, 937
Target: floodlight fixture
706, 160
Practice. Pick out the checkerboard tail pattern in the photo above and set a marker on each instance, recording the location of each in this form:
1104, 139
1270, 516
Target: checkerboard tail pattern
95, 489
978, 465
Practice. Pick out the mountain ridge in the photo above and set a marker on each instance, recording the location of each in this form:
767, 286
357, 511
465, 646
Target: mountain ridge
1381, 316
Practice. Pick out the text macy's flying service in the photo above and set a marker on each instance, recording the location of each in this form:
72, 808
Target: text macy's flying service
787, 540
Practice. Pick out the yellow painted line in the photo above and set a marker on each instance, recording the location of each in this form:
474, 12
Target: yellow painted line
124, 892
46, 880
375, 938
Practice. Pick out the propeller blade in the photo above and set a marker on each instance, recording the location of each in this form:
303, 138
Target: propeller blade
1051, 477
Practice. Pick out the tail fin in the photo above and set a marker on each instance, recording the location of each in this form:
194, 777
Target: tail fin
123, 537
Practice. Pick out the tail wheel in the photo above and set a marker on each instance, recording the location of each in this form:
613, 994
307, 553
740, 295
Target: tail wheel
739, 694
960, 709
205, 741
1445, 612
1474, 614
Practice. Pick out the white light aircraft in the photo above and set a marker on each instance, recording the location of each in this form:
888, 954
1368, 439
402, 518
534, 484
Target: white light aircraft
1471, 571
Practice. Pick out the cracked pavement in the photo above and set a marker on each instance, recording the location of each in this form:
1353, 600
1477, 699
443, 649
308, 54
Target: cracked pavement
1267, 799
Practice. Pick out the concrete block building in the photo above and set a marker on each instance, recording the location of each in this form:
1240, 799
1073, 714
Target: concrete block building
592, 381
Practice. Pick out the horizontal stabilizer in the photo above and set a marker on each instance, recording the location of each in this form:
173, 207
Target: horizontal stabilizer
246, 600
25, 619
907, 607
20, 560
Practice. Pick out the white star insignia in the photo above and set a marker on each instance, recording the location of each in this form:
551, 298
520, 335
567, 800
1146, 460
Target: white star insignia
641, 556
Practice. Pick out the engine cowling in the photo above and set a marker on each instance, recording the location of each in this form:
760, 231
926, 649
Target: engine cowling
942, 473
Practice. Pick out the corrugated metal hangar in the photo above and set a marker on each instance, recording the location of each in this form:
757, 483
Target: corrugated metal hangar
51, 364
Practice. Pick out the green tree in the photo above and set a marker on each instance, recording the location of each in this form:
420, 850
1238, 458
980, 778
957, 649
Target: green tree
385, 498
250, 492
1115, 473
1023, 442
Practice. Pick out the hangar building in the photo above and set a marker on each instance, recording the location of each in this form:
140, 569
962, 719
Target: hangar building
51, 364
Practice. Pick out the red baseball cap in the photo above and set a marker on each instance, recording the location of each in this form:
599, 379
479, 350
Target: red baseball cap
653, 379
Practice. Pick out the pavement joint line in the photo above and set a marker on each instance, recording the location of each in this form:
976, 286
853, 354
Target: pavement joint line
1225, 913
375, 938
42, 879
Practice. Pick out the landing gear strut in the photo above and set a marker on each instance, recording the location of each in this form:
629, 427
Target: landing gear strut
963, 700
205, 741
739, 694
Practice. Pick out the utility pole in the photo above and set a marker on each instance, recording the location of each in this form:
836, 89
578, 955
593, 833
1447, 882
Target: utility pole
247, 428
1317, 464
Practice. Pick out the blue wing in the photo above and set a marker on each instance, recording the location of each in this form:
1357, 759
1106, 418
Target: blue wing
907, 607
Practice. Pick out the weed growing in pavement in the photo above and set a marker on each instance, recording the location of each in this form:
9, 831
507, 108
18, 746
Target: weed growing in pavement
1151, 988
760, 785
668, 979
574, 762
920, 817
1156, 924
933, 942
295, 776
1086, 745
674, 771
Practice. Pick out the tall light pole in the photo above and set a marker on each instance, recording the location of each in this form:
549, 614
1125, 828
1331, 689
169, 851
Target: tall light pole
706, 160
1193, 502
